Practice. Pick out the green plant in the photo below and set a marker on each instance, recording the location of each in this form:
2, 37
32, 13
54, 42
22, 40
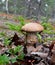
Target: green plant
18, 26
2, 34
20, 19
48, 28
13, 60
21, 56
39, 38
14, 27
6, 41
50, 39
18, 49
4, 59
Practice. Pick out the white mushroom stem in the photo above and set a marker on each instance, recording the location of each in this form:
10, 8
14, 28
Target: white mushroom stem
31, 38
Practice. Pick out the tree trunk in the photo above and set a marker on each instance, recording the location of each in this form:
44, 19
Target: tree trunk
7, 7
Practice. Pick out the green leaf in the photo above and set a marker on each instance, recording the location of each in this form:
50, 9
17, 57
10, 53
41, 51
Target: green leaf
13, 60
6, 41
17, 49
4, 60
39, 37
21, 56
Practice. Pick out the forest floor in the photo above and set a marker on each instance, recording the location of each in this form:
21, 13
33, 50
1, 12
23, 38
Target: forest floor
4, 18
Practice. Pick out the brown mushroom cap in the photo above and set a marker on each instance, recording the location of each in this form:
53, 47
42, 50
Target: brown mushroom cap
32, 27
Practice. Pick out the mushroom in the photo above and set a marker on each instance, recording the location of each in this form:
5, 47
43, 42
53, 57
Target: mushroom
31, 29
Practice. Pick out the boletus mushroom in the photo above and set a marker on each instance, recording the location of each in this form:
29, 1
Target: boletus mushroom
31, 29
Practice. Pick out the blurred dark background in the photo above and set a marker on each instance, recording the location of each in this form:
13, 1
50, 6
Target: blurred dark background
29, 8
